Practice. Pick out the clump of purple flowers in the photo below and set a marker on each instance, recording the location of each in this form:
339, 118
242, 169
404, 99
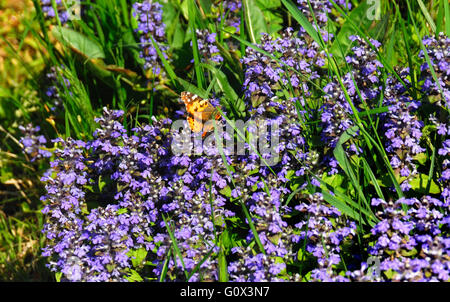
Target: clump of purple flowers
445, 176
231, 11
273, 233
438, 50
413, 244
362, 84
53, 91
319, 13
100, 201
49, 12
33, 144
206, 42
324, 231
402, 129
194, 204
300, 61
280, 241
150, 26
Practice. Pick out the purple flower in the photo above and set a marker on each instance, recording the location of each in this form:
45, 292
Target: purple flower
206, 46
33, 144
438, 50
49, 12
150, 26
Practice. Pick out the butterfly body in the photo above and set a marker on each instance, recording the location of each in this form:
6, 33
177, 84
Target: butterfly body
199, 111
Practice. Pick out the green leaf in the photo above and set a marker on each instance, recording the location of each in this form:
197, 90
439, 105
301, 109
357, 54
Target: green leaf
268, 4
166, 64
411, 253
101, 184
4, 92
390, 43
345, 164
122, 211
344, 203
79, 42
371, 177
137, 256
440, 17
58, 276
419, 184
226, 191
226, 240
193, 16
254, 20
223, 266
192, 88
134, 276
206, 6
374, 111
334, 180
421, 158
178, 37
341, 206
272, 16
378, 31
5, 176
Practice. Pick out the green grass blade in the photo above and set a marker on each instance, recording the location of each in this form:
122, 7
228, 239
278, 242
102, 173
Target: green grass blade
197, 267
447, 17
427, 15
431, 172
302, 20
165, 268
370, 176
175, 246
192, 8
167, 67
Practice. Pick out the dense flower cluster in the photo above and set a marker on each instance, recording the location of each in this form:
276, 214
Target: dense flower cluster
300, 61
114, 167
324, 232
402, 129
438, 51
279, 239
150, 27
33, 144
445, 176
206, 42
410, 245
272, 231
193, 208
194, 199
362, 85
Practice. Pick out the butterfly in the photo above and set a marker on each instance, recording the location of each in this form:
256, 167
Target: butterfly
199, 111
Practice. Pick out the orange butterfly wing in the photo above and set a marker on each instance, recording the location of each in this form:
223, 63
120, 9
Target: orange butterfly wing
199, 111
